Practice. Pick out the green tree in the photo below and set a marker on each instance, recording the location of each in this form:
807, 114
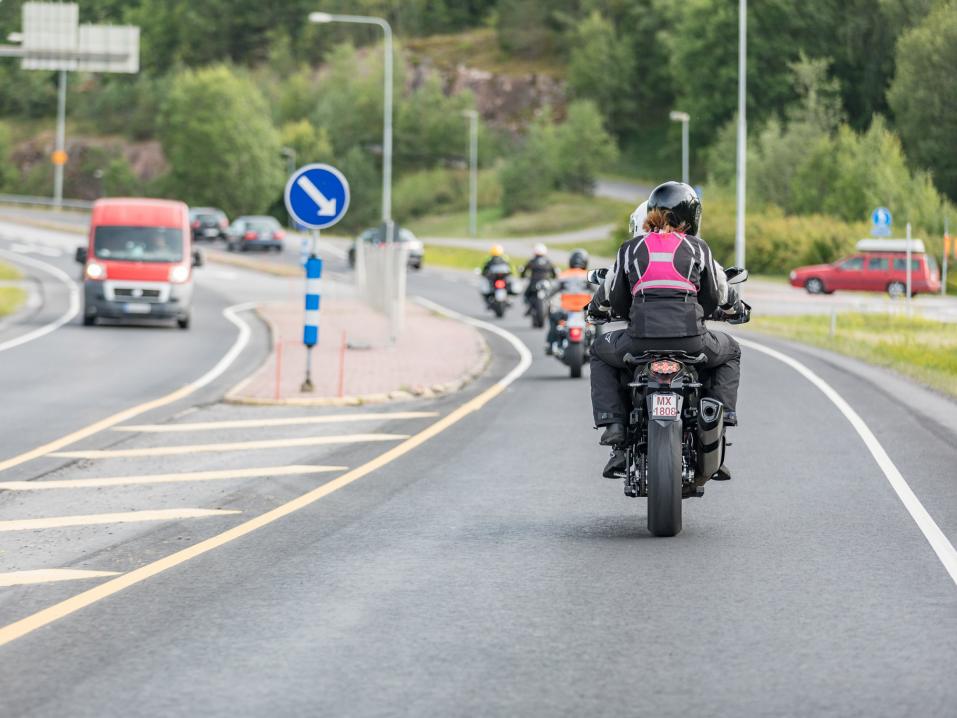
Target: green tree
583, 148
923, 95
430, 128
8, 171
531, 172
601, 68
309, 144
222, 148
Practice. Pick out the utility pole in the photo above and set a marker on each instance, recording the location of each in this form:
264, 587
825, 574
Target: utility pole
472, 115
59, 155
739, 240
683, 118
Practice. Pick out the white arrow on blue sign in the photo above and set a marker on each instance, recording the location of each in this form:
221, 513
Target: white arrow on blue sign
317, 196
881, 221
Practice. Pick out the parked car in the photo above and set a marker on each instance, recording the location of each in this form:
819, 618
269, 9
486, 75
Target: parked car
255, 232
138, 261
880, 265
376, 235
208, 223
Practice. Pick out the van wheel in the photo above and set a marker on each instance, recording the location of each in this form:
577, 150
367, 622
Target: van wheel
897, 290
814, 286
89, 320
183, 322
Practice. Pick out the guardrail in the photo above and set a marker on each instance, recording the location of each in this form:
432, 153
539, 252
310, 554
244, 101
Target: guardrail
44, 201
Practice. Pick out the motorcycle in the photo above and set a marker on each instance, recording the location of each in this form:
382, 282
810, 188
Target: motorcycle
675, 437
496, 288
536, 301
574, 337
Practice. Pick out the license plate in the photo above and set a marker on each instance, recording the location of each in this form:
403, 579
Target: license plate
501, 294
664, 406
210, 232
136, 308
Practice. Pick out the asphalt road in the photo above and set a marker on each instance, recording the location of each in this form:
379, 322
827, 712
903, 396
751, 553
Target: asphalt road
488, 570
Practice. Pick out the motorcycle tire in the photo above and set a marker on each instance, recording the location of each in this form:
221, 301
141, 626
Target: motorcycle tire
575, 358
499, 309
664, 478
538, 314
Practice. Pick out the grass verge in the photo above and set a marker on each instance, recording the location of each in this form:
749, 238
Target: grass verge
922, 349
442, 255
11, 298
564, 212
9, 272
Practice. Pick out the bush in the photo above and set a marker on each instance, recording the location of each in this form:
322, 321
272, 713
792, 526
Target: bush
584, 148
219, 140
529, 176
309, 144
8, 171
441, 191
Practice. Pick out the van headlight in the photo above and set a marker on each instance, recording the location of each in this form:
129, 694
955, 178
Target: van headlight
95, 271
179, 274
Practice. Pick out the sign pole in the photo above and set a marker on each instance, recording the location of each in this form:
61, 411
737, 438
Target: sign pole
310, 332
947, 243
60, 143
908, 264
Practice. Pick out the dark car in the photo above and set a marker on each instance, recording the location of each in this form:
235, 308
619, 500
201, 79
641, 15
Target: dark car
207, 223
255, 232
376, 235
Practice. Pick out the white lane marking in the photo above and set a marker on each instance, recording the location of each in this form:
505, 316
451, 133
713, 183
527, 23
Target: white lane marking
267, 471
225, 447
49, 575
525, 356
126, 517
231, 314
285, 421
935, 537
72, 310
35, 249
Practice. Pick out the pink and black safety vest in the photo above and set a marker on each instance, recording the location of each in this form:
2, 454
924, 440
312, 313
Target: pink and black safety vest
665, 285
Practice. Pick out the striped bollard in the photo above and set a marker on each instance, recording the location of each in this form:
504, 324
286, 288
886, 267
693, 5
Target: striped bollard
310, 332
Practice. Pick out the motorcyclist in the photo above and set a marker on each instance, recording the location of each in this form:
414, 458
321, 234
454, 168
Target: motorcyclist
538, 269
574, 290
496, 258
666, 282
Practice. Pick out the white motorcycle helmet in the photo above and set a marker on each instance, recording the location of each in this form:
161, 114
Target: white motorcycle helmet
636, 223
540, 250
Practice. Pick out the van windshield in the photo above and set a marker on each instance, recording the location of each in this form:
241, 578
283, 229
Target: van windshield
138, 244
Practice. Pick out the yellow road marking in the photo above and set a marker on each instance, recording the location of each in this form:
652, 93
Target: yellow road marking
126, 517
18, 629
233, 446
268, 471
49, 575
286, 421
133, 411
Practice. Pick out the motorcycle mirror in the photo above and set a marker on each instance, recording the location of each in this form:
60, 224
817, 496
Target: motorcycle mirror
736, 275
597, 276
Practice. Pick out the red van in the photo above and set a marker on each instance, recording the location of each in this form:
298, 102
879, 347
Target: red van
138, 261
880, 265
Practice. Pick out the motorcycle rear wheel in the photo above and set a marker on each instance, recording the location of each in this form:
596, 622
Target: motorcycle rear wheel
664, 478
575, 357
499, 309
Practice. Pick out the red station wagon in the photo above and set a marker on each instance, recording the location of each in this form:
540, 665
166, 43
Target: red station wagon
880, 265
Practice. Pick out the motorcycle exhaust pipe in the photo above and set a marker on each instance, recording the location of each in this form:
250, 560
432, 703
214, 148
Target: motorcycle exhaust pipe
710, 437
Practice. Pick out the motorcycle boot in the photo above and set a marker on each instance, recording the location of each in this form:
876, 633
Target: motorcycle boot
615, 466
613, 435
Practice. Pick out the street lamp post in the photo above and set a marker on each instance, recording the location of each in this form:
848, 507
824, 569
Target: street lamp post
472, 116
683, 118
742, 128
325, 17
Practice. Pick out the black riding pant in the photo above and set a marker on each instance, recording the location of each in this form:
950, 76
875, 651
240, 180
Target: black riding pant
610, 401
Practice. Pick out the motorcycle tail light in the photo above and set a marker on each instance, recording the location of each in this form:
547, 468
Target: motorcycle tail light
575, 334
665, 367
500, 284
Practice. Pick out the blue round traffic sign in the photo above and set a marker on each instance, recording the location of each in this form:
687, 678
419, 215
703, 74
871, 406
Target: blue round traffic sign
317, 196
881, 221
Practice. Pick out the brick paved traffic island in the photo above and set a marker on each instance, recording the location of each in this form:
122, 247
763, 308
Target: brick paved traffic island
355, 362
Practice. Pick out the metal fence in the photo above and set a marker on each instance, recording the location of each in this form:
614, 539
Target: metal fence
44, 201
380, 279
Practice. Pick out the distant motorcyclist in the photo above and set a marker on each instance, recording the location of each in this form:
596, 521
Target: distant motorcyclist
538, 269
495, 261
574, 293
666, 283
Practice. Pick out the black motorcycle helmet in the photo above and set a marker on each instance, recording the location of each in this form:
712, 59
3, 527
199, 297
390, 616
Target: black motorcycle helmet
578, 259
680, 203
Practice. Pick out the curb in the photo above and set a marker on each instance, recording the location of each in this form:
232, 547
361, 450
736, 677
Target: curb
44, 224
234, 396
